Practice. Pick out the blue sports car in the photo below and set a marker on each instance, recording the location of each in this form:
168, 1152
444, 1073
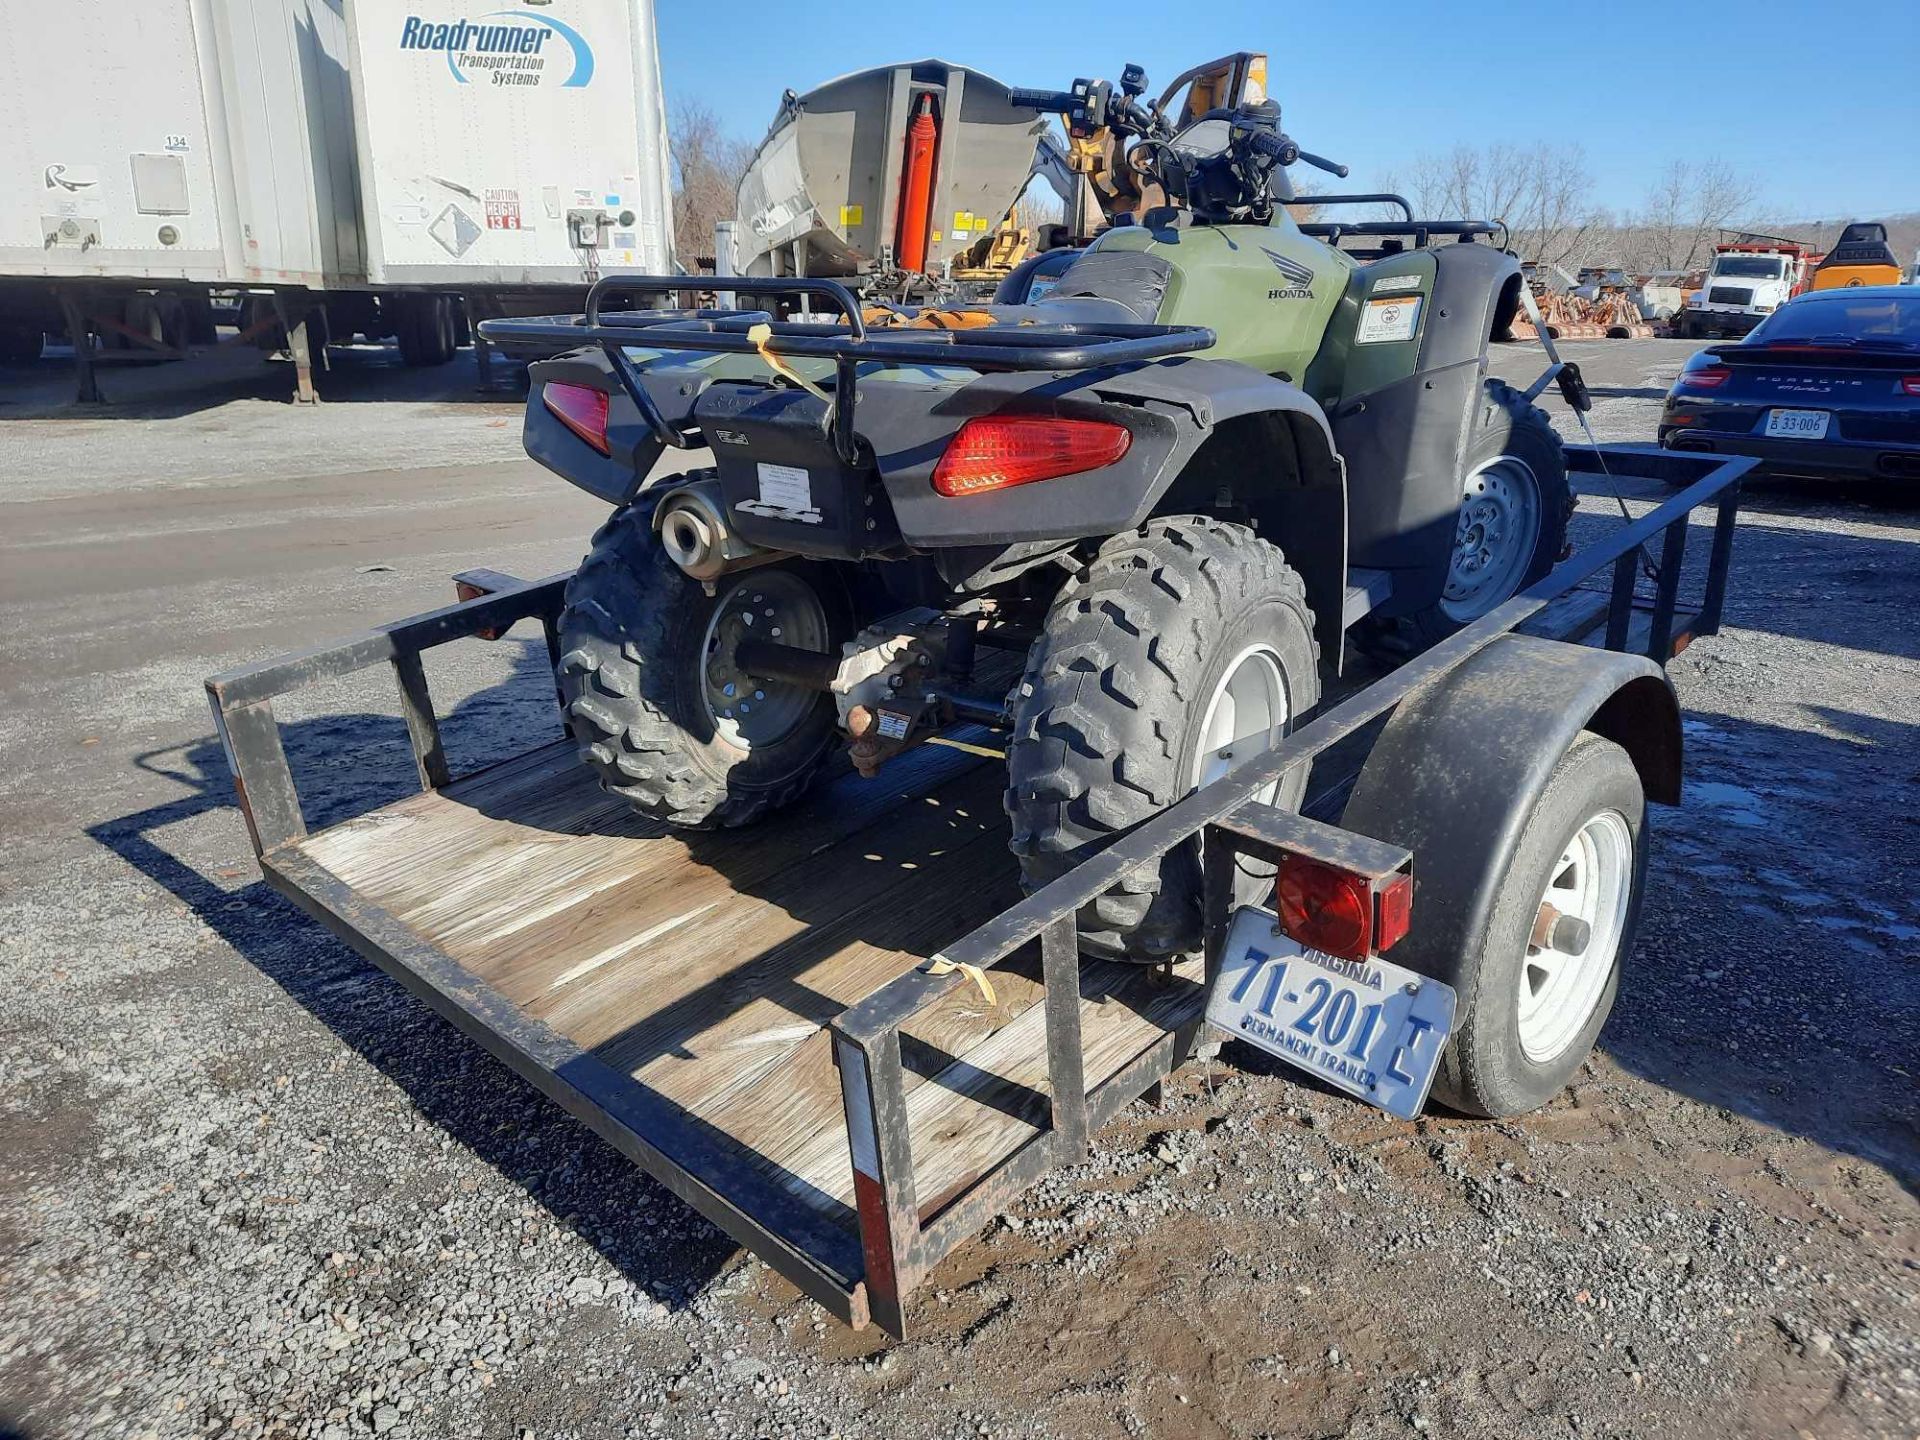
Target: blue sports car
1828, 385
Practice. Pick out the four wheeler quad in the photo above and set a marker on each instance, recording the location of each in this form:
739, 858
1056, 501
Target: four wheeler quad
1174, 484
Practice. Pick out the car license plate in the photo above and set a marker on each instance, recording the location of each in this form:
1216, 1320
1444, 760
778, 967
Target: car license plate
1797, 424
1369, 1027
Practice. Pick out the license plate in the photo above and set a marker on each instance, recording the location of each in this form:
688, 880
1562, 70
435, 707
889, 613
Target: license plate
1797, 424
1369, 1027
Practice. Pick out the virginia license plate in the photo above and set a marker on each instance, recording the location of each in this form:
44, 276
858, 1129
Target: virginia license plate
1369, 1027
1797, 424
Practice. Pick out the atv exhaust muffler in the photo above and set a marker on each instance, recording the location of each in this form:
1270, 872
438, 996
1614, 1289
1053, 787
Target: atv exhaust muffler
692, 525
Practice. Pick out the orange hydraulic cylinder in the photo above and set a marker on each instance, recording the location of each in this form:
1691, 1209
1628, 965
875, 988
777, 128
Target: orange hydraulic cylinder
916, 190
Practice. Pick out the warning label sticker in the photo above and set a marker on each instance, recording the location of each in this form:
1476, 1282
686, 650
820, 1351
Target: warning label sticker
503, 209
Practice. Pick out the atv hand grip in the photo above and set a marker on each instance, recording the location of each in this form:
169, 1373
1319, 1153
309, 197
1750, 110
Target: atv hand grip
1052, 102
1321, 163
1274, 147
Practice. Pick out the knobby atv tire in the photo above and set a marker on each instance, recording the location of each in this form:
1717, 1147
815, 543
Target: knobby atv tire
1507, 423
1109, 714
632, 633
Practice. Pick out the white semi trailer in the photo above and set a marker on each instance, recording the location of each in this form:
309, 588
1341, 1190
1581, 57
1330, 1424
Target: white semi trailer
374, 167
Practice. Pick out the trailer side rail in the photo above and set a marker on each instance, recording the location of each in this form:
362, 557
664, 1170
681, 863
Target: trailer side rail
901, 1241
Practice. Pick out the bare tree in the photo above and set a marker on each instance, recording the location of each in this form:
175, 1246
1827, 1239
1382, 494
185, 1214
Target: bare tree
708, 165
1687, 208
1543, 192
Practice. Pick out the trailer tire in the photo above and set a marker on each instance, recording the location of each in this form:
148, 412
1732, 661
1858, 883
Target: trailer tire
1118, 693
423, 328
1509, 1055
634, 638
1514, 452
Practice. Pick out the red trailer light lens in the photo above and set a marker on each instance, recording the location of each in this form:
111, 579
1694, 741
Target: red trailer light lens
995, 452
1706, 378
1341, 913
582, 409
1324, 908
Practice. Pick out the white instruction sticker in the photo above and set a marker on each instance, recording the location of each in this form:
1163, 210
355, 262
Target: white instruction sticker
785, 487
1387, 284
1386, 320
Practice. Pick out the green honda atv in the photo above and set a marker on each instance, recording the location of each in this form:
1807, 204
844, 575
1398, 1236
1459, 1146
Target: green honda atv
1221, 441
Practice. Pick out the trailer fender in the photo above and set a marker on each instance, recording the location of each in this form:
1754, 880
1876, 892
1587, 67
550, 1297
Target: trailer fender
1457, 771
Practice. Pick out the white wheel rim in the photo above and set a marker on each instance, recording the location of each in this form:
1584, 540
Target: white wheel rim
1247, 714
1592, 881
1498, 529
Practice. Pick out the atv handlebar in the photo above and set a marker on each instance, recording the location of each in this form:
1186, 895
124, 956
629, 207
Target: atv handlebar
1282, 148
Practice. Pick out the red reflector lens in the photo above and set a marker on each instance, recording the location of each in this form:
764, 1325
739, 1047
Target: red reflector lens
582, 410
993, 452
1706, 378
1324, 908
1394, 912
1911, 385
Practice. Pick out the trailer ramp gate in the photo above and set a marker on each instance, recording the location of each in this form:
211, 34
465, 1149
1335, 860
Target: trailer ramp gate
752, 1017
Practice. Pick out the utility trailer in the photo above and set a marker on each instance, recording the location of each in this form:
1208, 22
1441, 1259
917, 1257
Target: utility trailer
787, 1028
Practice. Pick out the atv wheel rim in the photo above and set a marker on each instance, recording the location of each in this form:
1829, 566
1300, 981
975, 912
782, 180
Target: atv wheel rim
1247, 715
1592, 881
1494, 543
772, 605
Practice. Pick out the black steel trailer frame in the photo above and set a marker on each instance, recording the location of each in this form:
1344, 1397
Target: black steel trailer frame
898, 1240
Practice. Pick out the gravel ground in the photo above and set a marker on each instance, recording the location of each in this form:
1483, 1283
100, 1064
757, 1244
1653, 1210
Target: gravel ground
254, 1189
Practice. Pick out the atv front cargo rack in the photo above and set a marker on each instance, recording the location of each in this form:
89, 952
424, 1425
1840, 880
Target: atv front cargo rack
750, 1017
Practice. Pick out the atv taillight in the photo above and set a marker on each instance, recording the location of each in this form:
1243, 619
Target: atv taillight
1708, 377
1338, 912
582, 409
993, 452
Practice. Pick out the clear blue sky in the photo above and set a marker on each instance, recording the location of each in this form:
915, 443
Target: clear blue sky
1822, 115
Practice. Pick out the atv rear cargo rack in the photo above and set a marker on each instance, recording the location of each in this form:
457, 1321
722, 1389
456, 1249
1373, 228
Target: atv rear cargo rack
1068, 346
749, 1017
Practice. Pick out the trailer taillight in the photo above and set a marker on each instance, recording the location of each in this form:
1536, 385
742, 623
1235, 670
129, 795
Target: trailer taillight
1338, 912
994, 452
582, 409
1708, 377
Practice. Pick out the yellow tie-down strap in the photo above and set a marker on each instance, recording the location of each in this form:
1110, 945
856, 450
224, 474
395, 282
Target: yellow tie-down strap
760, 334
941, 965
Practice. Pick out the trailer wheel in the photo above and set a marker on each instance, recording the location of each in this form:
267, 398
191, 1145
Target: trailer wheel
1514, 506
1182, 649
1534, 990
423, 328
646, 675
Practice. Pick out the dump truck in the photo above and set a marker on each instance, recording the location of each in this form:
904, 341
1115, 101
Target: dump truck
1750, 277
1026, 698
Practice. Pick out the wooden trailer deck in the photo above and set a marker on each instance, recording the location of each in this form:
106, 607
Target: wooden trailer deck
689, 979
